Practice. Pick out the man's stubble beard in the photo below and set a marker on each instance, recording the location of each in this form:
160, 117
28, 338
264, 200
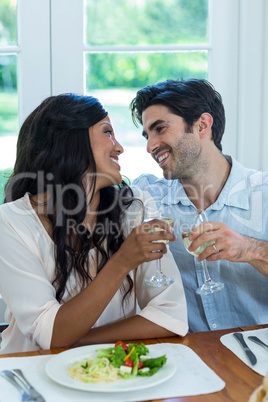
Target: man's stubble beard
186, 157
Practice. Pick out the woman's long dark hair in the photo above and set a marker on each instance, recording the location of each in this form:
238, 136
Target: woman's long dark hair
53, 156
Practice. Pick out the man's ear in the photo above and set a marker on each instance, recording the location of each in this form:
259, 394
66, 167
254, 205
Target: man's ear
205, 122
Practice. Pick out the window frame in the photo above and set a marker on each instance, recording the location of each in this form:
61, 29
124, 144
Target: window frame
34, 73
237, 67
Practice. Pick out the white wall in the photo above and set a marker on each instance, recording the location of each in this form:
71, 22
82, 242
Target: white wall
239, 71
252, 83
264, 144
2, 310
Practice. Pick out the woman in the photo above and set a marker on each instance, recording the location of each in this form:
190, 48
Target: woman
73, 251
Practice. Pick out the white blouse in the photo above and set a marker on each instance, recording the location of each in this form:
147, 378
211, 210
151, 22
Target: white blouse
27, 269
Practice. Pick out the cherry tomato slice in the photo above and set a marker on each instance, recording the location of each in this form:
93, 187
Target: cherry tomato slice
141, 365
124, 346
128, 363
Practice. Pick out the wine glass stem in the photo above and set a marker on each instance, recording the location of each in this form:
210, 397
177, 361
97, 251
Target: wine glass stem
205, 271
158, 266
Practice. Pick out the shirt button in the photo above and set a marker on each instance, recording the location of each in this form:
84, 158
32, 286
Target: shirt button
214, 325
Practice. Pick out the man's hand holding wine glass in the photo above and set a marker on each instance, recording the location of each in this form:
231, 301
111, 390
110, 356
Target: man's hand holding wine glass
227, 244
195, 220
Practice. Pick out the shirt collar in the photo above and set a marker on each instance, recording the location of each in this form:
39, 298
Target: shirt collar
175, 194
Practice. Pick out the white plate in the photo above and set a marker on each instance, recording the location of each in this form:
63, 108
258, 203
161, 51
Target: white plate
56, 369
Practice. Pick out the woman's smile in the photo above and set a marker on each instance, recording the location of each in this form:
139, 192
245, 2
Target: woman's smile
115, 160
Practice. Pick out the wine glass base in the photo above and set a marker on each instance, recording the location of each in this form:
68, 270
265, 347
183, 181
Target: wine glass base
209, 287
158, 281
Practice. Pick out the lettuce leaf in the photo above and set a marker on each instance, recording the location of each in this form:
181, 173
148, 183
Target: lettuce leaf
157, 362
148, 373
105, 352
139, 349
115, 355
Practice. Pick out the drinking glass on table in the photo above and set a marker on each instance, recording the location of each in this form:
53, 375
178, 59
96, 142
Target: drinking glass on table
159, 279
189, 221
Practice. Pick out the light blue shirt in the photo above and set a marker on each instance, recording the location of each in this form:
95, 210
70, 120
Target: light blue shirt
243, 206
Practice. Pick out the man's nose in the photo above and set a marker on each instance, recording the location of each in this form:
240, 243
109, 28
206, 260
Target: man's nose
152, 144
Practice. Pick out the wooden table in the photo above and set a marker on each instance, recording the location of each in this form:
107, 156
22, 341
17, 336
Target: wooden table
239, 378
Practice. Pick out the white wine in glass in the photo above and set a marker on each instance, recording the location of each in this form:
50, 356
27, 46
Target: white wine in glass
159, 279
187, 243
187, 223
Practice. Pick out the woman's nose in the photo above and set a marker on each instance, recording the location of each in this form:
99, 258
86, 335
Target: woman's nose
118, 147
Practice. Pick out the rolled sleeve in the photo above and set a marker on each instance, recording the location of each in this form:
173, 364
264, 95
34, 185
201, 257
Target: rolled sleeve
26, 289
43, 327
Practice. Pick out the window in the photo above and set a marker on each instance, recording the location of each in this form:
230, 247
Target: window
9, 118
111, 49
129, 45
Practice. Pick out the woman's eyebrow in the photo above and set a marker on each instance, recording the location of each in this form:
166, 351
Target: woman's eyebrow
108, 124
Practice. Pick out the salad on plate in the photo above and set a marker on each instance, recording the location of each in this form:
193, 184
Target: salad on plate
119, 361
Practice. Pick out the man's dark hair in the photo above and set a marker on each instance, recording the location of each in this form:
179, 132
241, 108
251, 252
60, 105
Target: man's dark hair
187, 99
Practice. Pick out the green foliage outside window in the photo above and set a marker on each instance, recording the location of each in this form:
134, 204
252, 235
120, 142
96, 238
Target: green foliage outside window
8, 22
4, 175
146, 22
8, 37
9, 113
141, 69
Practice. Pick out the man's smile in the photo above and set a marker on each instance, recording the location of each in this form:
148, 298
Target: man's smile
161, 157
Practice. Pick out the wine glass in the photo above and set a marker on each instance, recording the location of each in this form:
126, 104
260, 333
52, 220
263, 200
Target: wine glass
187, 223
159, 279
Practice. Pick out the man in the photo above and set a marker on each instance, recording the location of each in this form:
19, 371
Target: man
183, 122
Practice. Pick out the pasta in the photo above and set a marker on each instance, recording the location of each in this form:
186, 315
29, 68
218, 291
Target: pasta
93, 370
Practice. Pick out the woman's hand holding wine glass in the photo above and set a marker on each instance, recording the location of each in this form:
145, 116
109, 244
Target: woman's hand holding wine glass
146, 242
159, 279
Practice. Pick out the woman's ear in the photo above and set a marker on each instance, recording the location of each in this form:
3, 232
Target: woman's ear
205, 122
